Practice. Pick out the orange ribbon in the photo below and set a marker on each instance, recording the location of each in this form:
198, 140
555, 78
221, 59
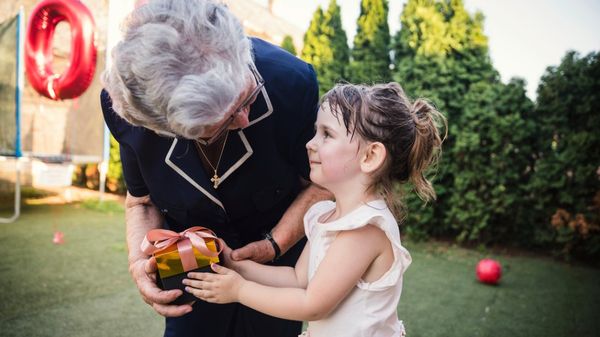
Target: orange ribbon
159, 239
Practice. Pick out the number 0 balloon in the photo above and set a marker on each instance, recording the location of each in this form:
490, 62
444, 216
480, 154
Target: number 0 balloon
38, 49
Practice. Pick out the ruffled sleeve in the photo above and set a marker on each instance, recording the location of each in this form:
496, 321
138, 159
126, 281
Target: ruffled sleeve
312, 215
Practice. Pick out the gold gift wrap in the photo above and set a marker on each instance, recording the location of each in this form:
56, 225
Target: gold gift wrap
169, 263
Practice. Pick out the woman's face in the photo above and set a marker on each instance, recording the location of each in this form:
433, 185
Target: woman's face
240, 120
237, 117
333, 154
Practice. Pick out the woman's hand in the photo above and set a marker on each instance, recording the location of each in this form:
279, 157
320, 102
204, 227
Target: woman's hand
222, 287
258, 251
143, 272
228, 261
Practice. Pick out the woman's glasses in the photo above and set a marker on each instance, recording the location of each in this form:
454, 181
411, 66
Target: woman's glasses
260, 83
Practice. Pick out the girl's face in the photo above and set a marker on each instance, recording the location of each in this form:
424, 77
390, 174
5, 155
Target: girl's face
333, 155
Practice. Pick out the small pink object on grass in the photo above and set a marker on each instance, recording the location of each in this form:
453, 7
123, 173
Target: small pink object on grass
488, 271
59, 238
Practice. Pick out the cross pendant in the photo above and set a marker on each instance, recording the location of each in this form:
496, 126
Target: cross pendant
216, 180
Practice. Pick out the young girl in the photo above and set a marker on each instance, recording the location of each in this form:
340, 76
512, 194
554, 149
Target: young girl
348, 280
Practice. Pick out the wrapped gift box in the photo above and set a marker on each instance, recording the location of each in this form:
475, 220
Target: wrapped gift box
177, 254
171, 272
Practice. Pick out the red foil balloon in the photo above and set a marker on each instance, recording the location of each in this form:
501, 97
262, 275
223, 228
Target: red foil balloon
38, 49
488, 271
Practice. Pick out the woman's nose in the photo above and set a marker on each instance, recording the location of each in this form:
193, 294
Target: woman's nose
241, 120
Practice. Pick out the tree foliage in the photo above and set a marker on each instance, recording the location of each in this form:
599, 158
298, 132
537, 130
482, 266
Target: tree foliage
512, 171
288, 44
313, 51
370, 53
491, 161
566, 181
440, 28
115, 182
439, 54
334, 70
326, 46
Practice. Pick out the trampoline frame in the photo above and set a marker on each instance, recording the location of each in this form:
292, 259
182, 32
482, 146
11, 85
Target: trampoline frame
18, 100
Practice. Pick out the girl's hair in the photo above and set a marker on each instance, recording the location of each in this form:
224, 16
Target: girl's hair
409, 130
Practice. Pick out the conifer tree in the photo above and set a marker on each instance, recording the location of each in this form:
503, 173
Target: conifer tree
288, 44
370, 53
441, 50
334, 69
312, 51
325, 46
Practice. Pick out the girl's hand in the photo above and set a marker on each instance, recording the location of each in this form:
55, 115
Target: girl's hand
222, 287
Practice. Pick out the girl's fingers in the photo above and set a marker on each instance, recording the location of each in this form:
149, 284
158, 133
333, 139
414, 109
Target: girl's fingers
200, 276
201, 294
217, 268
195, 283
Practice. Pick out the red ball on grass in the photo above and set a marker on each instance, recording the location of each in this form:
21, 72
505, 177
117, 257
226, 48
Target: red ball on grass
59, 238
488, 271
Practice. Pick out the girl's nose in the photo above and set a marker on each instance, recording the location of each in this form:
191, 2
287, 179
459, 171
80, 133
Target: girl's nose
310, 146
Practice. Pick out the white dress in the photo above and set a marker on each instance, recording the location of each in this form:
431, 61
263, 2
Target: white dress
369, 310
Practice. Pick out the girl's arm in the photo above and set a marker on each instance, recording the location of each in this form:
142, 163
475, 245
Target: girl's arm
274, 276
347, 259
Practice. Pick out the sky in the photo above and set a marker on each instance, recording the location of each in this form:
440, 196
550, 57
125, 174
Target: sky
525, 36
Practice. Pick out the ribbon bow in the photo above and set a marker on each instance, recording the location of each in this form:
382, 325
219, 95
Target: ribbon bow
159, 239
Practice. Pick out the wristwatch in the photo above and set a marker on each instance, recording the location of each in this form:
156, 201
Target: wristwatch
269, 237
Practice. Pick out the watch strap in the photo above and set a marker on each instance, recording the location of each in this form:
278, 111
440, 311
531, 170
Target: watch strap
269, 237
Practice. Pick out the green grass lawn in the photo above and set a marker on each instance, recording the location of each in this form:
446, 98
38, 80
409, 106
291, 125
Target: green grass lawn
82, 288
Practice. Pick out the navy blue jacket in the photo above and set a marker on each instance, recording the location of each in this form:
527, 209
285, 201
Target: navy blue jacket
260, 176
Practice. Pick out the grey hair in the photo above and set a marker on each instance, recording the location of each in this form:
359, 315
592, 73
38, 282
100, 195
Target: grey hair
180, 66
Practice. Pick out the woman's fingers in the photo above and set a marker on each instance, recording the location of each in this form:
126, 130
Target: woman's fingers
172, 310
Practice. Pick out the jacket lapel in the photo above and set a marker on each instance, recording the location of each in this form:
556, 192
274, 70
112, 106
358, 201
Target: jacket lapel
238, 148
183, 158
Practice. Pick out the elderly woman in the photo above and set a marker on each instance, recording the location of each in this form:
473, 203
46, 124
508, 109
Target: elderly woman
212, 127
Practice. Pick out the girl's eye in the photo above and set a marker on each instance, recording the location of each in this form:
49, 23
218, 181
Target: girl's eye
326, 134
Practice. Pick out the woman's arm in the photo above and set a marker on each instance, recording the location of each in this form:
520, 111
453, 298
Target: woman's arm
141, 216
338, 273
288, 231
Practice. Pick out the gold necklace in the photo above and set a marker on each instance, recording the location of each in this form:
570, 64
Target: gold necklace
215, 179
